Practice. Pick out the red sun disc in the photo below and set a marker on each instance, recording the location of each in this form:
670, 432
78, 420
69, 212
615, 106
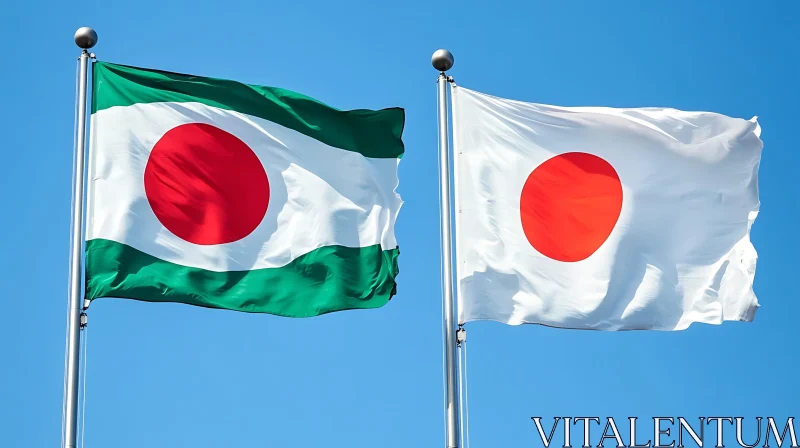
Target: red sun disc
569, 205
205, 185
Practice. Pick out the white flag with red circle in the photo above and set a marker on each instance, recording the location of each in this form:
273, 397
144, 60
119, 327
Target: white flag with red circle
603, 218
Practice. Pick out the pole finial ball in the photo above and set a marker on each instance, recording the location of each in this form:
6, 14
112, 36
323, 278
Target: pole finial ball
85, 37
442, 60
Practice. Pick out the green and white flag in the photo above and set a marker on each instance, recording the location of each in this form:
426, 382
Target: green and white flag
225, 195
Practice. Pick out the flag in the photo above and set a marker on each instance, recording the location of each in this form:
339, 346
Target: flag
225, 195
603, 218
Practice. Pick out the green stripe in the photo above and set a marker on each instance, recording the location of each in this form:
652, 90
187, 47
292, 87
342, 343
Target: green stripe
373, 133
328, 279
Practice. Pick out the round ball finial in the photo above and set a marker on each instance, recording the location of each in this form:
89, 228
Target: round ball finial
442, 60
85, 37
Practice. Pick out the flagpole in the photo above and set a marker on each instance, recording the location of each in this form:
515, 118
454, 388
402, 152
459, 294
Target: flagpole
85, 38
442, 61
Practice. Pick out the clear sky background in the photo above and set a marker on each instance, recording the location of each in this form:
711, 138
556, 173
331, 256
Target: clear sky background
168, 375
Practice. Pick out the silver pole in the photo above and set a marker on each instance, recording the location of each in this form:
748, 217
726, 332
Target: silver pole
85, 38
443, 60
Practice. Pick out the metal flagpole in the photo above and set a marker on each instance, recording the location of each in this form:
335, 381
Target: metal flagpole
442, 61
85, 38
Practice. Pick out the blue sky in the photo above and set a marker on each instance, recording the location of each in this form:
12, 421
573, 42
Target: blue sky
168, 375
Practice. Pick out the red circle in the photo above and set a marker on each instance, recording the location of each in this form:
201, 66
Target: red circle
569, 205
205, 185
